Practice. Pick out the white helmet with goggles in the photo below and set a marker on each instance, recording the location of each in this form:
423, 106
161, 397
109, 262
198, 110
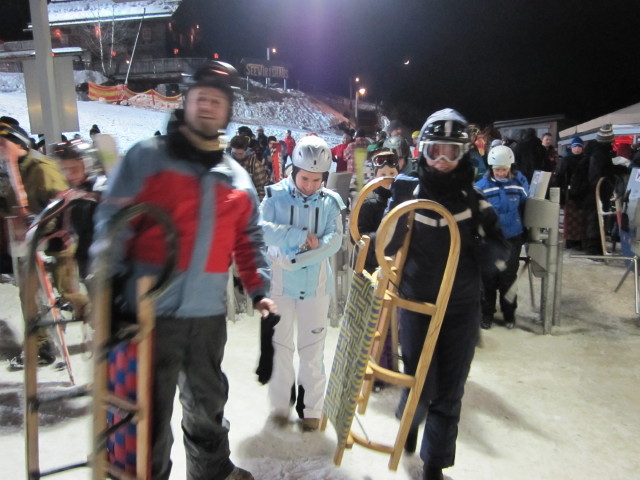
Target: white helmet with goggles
501, 156
312, 154
444, 136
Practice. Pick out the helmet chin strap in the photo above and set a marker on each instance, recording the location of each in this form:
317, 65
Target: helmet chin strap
203, 136
200, 141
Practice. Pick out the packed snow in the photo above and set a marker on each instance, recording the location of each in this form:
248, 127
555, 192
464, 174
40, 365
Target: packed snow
536, 406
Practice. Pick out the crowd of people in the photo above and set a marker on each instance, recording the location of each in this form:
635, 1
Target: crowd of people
259, 206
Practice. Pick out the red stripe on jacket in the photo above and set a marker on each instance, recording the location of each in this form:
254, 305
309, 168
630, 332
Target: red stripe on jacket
233, 212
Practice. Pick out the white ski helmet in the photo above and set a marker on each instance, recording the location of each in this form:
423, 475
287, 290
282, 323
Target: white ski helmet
312, 154
501, 156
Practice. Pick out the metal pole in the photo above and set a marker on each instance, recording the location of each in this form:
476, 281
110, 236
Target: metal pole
266, 78
44, 67
356, 109
126, 78
548, 303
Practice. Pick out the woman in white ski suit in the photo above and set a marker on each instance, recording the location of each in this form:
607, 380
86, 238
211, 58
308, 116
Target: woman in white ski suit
301, 281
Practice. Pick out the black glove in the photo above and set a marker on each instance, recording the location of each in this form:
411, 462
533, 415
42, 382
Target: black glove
265, 365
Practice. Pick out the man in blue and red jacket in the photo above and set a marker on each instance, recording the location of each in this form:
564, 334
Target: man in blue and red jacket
214, 206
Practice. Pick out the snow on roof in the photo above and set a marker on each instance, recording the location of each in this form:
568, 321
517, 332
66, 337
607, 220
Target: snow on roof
87, 11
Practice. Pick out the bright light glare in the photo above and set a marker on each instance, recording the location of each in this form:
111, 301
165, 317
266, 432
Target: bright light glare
407, 62
362, 91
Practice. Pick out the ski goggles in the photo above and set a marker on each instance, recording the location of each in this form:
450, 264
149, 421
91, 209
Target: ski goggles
449, 151
386, 157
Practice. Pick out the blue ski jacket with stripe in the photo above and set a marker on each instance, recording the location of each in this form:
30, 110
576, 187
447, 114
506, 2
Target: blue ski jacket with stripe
507, 199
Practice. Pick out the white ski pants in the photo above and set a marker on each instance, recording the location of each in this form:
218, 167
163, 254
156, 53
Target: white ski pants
311, 318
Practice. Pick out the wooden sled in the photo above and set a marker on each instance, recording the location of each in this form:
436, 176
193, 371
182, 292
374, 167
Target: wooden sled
617, 201
123, 362
368, 311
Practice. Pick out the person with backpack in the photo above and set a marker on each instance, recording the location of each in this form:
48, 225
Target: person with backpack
571, 178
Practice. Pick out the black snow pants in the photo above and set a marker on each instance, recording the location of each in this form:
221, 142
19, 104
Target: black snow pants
441, 399
502, 282
188, 354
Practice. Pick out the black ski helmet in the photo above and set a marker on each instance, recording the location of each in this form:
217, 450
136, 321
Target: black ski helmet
399, 144
15, 134
214, 74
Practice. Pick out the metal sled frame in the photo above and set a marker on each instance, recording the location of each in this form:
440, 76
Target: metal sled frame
390, 275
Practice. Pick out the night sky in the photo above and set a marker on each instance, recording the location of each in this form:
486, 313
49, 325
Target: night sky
490, 59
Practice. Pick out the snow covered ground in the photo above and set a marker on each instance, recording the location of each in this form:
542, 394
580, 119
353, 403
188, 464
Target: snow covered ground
562, 406
298, 113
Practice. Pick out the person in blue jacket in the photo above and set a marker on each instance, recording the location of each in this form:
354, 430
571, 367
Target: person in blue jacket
506, 190
302, 226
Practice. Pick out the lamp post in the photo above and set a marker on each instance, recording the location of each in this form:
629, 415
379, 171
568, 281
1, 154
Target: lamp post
355, 80
270, 50
360, 91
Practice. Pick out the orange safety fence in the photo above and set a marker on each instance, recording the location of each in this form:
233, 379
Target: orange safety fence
123, 95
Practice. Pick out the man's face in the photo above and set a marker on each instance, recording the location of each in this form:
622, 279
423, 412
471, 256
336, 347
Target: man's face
239, 153
308, 182
577, 149
73, 171
547, 140
206, 110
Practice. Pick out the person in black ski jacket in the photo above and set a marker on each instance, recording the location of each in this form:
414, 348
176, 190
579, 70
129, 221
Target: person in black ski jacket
530, 154
445, 175
385, 164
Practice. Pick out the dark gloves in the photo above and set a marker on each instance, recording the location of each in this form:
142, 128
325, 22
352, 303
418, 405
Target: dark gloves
265, 365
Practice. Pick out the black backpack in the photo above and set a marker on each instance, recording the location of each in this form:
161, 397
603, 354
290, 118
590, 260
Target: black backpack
579, 183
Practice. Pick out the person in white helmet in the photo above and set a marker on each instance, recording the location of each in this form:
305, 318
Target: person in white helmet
506, 189
302, 226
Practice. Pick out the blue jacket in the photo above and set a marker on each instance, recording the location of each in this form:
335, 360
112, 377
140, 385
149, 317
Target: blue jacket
507, 199
287, 216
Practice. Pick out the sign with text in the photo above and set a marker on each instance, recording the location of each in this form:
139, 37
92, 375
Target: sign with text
265, 68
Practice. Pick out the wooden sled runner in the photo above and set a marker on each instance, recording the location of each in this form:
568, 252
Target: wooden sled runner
365, 325
123, 362
116, 405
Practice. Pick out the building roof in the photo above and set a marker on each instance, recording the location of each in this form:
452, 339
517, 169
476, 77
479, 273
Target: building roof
65, 12
625, 121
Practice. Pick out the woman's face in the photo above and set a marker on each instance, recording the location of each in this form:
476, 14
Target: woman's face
501, 172
443, 165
